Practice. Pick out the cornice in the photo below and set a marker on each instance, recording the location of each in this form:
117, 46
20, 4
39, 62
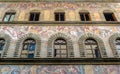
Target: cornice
60, 61
59, 0
61, 23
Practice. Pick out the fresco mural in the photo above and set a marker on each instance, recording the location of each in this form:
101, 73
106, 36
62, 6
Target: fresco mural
46, 31
58, 69
66, 5
26, 7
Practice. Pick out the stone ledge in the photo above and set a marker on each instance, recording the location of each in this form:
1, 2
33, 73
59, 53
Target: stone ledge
60, 61
59, 1
61, 23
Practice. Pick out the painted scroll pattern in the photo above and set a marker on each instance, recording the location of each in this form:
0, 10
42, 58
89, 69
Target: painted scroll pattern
46, 31
59, 69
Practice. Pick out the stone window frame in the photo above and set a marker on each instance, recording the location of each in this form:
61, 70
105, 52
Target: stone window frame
15, 10
85, 11
27, 16
10, 12
51, 42
7, 39
59, 9
98, 40
22, 39
101, 13
109, 11
112, 38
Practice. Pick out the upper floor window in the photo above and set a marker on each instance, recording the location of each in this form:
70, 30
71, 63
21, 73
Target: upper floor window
9, 16
84, 16
92, 49
59, 16
117, 43
34, 16
109, 16
2, 44
28, 48
60, 48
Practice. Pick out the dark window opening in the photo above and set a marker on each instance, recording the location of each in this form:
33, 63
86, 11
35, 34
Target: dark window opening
109, 17
60, 16
84, 16
9, 16
34, 16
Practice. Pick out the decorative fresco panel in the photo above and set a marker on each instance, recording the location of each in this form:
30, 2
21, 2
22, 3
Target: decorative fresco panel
24, 8
59, 69
46, 31
66, 5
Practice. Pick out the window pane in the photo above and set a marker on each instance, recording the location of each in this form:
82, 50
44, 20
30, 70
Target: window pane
9, 17
12, 17
2, 43
25, 47
63, 46
32, 47
32, 17
57, 47
56, 17
62, 17
37, 17
82, 17
63, 51
87, 17
31, 55
6, 18
117, 42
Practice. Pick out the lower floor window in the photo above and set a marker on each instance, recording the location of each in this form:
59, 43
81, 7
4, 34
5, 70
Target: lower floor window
92, 49
117, 42
28, 48
60, 48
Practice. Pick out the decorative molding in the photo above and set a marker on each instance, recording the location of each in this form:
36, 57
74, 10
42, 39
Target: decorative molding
60, 61
112, 39
7, 44
95, 37
21, 40
59, 1
61, 23
53, 38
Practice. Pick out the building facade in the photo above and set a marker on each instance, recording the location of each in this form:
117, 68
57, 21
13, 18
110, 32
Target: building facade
43, 37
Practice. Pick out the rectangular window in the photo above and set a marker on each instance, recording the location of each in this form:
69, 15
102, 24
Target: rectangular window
109, 17
84, 16
60, 16
9, 17
34, 16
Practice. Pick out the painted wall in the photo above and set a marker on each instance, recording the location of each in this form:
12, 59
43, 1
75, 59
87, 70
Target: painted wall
59, 69
44, 32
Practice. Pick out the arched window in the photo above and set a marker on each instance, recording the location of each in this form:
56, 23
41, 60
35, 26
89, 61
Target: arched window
2, 44
28, 48
117, 43
60, 48
92, 49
